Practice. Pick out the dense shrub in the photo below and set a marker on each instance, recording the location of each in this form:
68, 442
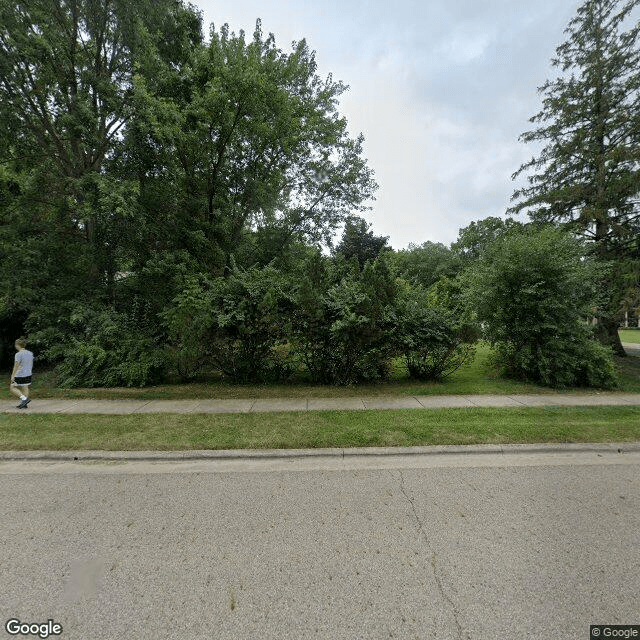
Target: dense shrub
344, 320
233, 324
565, 360
106, 351
188, 323
250, 319
532, 290
435, 340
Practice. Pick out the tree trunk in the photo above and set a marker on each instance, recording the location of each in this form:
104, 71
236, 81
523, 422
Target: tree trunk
607, 334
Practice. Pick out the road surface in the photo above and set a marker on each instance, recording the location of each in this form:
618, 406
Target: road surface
481, 546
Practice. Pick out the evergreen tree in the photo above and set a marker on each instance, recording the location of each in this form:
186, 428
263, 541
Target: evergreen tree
587, 177
358, 240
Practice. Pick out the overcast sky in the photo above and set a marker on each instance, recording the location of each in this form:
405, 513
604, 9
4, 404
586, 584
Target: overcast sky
441, 90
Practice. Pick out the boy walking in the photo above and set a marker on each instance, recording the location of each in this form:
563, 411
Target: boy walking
21, 374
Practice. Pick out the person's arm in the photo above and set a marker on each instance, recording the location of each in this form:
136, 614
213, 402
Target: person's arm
16, 367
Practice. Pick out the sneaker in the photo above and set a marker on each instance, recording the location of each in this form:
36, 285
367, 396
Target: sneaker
24, 403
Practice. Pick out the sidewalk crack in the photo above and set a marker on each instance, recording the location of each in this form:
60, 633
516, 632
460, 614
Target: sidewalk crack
522, 404
436, 576
142, 406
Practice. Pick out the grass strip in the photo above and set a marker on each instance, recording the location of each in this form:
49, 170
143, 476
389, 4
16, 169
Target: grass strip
315, 429
630, 335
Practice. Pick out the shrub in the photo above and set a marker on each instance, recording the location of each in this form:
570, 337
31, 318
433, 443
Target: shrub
250, 318
564, 361
344, 320
107, 352
532, 290
434, 340
188, 322
234, 324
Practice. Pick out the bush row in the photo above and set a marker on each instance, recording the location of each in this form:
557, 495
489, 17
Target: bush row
340, 323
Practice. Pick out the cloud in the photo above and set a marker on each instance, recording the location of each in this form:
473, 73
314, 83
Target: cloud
463, 46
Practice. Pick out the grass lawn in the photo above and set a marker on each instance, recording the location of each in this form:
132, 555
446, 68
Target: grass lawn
319, 429
630, 335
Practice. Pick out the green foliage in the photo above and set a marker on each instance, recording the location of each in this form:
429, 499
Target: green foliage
140, 164
568, 359
477, 236
188, 321
587, 174
434, 339
358, 241
533, 291
424, 264
106, 351
244, 137
586, 178
234, 324
344, 320
251, 309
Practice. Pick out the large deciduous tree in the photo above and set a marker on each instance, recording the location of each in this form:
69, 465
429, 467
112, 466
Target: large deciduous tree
587, 177
474, 239
66, 81
247, 138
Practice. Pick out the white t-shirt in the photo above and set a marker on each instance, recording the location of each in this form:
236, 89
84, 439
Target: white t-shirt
25, 358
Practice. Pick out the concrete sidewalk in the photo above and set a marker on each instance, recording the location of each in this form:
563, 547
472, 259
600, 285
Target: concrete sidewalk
261, 405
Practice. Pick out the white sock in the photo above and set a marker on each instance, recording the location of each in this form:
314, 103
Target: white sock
23, 397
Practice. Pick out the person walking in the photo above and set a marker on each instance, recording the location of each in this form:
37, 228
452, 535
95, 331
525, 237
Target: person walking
21, 374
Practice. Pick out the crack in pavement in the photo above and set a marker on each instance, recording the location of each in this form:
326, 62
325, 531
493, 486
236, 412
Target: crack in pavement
437, 578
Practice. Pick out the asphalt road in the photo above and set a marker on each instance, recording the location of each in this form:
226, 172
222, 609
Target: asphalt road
484, 546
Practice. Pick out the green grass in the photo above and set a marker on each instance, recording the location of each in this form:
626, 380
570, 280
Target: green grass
630, 335
319, 429
325, 428
476, 377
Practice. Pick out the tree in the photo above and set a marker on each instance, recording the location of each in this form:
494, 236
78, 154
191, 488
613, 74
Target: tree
532, 291
424, 264
477, 236
66, 217
246, 138
134, 152
587, 178
357, 240
66, 74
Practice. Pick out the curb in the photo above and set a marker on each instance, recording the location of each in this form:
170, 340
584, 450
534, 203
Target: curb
271, 454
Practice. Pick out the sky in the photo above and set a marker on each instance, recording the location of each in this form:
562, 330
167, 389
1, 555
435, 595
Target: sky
440, 89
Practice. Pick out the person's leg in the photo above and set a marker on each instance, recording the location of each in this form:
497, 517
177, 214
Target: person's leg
22, 391
27, 399
15, 389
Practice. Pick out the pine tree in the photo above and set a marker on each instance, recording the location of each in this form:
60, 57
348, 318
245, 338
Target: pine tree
587, 177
